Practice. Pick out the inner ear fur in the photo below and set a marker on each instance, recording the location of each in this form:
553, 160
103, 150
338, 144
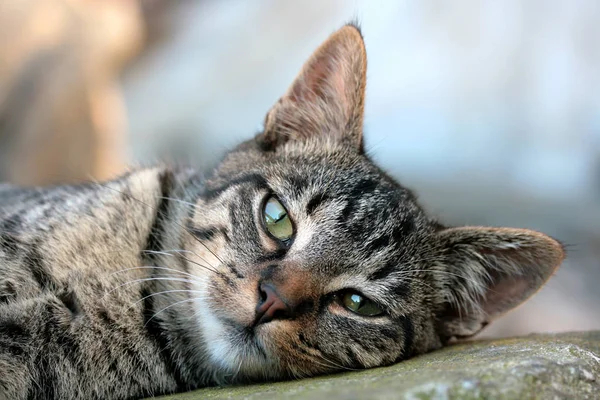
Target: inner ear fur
326, 98
489, 271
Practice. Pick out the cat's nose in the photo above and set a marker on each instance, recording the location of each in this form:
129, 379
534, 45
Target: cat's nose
270, 305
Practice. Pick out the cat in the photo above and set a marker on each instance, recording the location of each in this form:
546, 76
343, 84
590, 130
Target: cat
295, 256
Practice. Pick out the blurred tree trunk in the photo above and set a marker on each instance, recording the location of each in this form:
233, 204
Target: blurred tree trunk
62, 117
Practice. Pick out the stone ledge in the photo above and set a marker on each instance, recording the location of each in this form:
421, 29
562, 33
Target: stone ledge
532, 367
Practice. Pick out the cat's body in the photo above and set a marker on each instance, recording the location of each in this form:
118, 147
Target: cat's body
63, 333
296, 256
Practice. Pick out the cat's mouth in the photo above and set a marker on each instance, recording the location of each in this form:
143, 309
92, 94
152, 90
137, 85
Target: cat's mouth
249, 329
241, 350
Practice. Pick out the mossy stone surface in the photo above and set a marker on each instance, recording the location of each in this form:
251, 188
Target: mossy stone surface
532, 367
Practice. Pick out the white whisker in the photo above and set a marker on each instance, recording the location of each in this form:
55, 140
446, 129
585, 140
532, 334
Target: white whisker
155, 267
165, 292
149, 279
166, 308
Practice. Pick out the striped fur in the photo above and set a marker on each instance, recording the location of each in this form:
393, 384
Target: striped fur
149, 284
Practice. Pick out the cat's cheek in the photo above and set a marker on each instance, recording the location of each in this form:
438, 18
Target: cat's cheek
276, 339
233, 301
283, 341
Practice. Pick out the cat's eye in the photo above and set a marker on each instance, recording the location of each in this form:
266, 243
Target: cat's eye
277, 221
359, 304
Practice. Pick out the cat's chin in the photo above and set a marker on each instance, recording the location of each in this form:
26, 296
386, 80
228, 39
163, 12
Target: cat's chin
238, 352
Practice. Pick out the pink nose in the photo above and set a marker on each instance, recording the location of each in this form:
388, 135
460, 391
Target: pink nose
270, 305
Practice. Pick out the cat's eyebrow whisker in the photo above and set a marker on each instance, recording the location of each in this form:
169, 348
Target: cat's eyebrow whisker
188, 230
168, 254
221, 274
165, 292
155, 267
178, 251
169, 306
162, 214
177, 200
205, 260
149, 279
190, 251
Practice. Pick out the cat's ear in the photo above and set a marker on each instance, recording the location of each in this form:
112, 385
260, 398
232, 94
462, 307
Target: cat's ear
327, 97
488, 271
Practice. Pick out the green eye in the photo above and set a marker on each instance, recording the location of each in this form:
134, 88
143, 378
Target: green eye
360, 304
277, 221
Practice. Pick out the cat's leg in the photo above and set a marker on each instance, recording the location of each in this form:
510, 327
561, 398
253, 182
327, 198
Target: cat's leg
16, 351
40, 351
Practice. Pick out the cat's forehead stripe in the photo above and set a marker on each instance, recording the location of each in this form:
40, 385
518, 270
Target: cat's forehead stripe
316, 201
255, 179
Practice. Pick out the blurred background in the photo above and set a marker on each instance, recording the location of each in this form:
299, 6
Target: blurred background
489, 110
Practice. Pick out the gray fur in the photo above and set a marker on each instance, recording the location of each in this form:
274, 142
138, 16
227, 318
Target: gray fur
149, 284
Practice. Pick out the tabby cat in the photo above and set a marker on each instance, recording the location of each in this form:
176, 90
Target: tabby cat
296, 256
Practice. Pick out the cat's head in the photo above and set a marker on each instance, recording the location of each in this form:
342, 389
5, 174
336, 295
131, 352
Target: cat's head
312, 259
